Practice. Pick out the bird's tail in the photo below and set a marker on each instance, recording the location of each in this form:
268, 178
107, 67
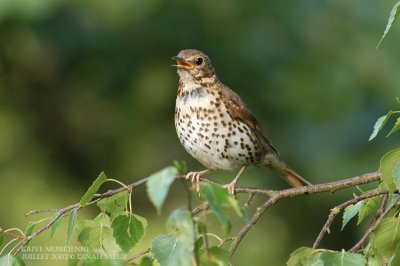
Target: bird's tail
294, 179
289, 175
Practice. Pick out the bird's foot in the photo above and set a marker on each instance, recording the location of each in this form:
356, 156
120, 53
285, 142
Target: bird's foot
232, 185
231, 188
195, 177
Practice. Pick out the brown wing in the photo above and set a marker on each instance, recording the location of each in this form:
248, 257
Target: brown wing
241, 112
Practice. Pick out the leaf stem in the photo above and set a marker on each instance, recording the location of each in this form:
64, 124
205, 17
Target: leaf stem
9, 243
7, 232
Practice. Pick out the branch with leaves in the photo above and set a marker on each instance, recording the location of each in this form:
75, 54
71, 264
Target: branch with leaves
117, 230
186, 229
380, 243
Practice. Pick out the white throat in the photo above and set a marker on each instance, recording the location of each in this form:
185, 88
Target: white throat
186, 77
187, 80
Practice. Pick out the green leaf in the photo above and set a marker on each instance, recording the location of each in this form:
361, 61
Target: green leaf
93, 189
396, 175
180, 166
180, 223
146, 261
216, 256
385, 238
375, 261
29, 228
369, 206
114, 205
198, 244
71, 224
158, 186
314, 260
169, 250
97, 234
350, 212
395, 128
55, 226
392, 198
200, 226
342, 258
392, 18
127, 231
218, 197
300, 255
181, 229
103, 262
10, 260
386, 168
396, 259
379, 125
1, 239
73, 259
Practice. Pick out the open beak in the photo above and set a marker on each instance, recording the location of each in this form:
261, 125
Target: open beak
182, 63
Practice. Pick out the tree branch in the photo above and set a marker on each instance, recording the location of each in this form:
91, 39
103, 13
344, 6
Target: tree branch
293, 192
273, 195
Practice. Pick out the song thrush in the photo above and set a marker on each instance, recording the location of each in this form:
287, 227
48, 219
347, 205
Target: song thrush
215, 126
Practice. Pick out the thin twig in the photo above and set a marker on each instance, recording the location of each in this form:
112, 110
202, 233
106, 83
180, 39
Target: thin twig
204, 220
64, 210
60, 213
293, 192
260, 210
138, 255
372, 223
7, 232
373, 226
226, 240
32, 212
249, 200
335, 211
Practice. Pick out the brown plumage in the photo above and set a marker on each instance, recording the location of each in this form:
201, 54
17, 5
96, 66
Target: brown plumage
216, 127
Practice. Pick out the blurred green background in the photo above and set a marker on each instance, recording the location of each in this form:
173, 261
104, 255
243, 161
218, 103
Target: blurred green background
87, 86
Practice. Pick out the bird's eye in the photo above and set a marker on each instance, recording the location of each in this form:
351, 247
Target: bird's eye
198, 61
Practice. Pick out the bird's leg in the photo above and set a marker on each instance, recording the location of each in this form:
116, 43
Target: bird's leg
195, 177
232, 185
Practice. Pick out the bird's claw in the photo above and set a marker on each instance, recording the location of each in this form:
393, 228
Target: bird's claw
231, 188
195, 178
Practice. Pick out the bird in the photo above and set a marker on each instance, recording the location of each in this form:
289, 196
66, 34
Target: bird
216, 128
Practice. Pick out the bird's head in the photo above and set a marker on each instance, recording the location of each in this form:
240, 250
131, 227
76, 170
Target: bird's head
195, 65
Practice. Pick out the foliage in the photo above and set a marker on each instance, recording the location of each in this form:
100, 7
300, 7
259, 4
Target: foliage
392, 18
307, 257
383, 232
117, 230
158, 185
380, 123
